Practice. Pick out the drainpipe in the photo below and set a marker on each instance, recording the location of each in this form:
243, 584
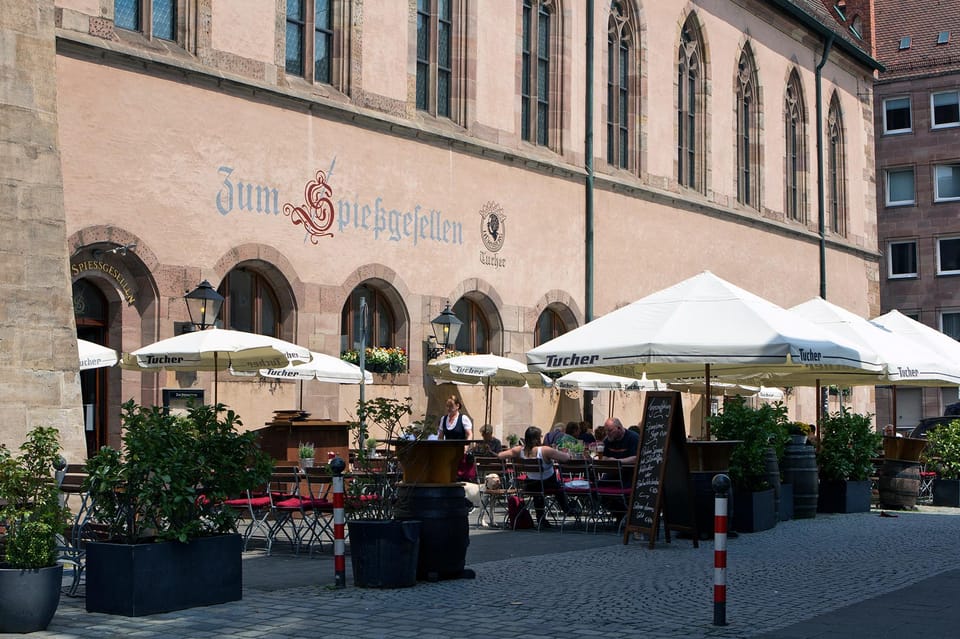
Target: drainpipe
821, 214
588, 193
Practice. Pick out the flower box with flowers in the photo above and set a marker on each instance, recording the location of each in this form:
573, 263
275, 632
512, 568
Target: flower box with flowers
388, 365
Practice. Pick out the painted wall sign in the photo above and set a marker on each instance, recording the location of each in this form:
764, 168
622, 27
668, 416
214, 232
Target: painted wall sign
318, 213
493, 231
111, 271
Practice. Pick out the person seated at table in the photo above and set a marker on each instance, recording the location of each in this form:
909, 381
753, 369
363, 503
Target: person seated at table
586, 433
490, 444
534, 448
619, 442
573, 429
623, 444
554, 435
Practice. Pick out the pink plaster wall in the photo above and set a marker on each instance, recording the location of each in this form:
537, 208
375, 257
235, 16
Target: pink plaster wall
244, 28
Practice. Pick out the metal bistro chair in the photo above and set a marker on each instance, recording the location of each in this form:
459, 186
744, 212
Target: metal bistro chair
320, 514
580, 487
535, 490
613, 490
72, 546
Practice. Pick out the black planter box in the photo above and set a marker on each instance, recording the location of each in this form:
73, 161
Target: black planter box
144, 579
754, 511
844, 497
946, 492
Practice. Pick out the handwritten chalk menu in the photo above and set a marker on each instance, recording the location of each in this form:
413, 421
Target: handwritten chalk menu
661, 482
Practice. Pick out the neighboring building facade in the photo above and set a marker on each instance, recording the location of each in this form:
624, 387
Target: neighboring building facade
301, 155
917, 112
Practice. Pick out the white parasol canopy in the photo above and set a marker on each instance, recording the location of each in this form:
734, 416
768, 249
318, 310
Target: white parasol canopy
215, 349
906, 327
591, 381
703, 320
94, 355
322, 368
907, 360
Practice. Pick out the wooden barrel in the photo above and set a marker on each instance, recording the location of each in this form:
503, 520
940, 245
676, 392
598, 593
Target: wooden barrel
443, 512
899, 484
772, 476
800, 469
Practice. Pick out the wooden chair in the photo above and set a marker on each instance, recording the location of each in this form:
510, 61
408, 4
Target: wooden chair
493, 493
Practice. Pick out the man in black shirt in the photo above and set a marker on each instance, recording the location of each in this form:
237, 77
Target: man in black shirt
620, 443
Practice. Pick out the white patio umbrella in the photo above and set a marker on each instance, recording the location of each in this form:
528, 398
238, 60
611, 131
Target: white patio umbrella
592, 381
907, 360
94, 355
321, 368
899, 324
215, 349
487, 369
702, 326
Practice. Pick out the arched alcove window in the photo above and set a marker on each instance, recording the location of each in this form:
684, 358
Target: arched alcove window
474, 335
381, 320
748, 131
835, 173
549, 325
795, 128
690, 107
250, 303
621, 83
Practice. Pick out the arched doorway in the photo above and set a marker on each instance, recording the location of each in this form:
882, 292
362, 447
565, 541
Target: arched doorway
90, 309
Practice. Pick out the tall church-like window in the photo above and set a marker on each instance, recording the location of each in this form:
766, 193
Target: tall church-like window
795, 157
835, 173
748, 131
536, 60
690, 107
621, 52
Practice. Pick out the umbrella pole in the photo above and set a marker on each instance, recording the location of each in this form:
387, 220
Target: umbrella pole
893, 418
705, 426
215, 367
487, 403
612, 402
819, 410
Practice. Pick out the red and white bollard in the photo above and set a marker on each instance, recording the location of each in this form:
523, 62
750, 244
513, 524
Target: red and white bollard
721, 489
337, 465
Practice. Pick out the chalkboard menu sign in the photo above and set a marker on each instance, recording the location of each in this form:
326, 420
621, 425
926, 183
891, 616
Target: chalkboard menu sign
661, 482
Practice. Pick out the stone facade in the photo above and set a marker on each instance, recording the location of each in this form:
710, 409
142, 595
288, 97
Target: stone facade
38, 350
197, 153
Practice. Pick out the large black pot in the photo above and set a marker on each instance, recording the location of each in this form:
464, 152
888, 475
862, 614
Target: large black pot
144, 579
383, 552
844, 496
28, 598
443, 513
754, 511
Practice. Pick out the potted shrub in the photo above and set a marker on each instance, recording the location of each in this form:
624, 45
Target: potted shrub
305, 452
753, 470
943, 456
31, 518
172, 545
848, 443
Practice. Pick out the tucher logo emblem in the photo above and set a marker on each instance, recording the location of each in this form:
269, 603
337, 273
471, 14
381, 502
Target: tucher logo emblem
492, 226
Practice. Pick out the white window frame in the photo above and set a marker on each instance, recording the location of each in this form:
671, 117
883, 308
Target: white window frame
887, 130
886, 186
940, 271
940, 319
936, 183
945, 125
897, 276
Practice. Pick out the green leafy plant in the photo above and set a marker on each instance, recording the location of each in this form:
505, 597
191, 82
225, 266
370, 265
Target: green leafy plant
32, 515
305, 450
572, 445
757, 429
378, 359
168, 480
943, 450
848, 443
513, 439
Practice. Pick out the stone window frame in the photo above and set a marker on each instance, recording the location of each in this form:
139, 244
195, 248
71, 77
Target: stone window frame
904, 274
527, 128
836, 186
623, 87
383, 316
429, 70
558, 319
267, 281
340, 28
796, 166
940, 317
185, 22
691, 107
748, 129
955, 170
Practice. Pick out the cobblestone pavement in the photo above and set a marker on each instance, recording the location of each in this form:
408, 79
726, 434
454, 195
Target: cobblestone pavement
831, 576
